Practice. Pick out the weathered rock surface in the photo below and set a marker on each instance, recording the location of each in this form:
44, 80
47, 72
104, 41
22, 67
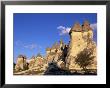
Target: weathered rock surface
21, 63
79, 40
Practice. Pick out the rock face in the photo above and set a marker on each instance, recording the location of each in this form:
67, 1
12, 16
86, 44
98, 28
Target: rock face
61, 64
80, 38
39, 61
31, 62
55, 53
21, 63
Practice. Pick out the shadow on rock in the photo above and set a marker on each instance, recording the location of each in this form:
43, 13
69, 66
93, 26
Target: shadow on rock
53, 69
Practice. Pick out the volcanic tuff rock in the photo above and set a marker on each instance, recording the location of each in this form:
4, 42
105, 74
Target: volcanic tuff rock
79, 40
21, 63
61, 57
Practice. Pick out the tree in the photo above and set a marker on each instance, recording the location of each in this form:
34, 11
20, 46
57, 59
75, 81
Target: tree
85, 58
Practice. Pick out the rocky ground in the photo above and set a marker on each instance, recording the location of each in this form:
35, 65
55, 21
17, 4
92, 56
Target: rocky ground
53, 69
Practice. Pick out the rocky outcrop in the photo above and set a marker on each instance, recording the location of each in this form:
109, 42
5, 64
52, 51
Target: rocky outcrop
31, 62
60, 59
61, 64
80, 38
21, 63
39, 61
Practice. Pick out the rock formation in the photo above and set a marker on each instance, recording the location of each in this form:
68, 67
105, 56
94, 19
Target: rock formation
81, 37
62, 57
31, 62
21, 63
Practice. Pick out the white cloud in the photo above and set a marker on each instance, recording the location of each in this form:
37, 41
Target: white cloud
31, 46
61, 27
63, 30
18, 43
27, 46
93, 26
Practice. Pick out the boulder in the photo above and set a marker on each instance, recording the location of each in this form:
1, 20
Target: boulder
61, 64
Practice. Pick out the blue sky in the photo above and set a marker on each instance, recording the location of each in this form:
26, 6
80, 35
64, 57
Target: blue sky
33, 32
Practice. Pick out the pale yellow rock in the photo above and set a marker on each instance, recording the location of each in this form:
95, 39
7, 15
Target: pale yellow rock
39, 61
61, 64
78, 41
21, 64
31, 63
